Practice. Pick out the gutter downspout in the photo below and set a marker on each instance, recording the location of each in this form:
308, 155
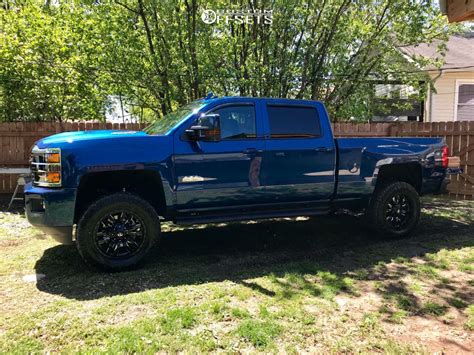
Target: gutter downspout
431, 94
443, 7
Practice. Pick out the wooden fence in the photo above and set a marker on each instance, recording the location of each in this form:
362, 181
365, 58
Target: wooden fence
17, 139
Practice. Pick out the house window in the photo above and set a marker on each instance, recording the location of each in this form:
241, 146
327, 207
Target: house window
465, 102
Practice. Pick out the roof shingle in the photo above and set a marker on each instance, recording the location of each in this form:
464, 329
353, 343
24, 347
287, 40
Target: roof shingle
459, 55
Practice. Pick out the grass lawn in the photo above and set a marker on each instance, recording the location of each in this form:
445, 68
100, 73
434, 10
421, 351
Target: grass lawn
290, 285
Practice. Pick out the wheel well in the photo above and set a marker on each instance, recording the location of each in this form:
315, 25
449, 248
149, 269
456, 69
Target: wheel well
407, 172
146, 184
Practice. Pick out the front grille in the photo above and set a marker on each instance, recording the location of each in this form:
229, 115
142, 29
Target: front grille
40, 167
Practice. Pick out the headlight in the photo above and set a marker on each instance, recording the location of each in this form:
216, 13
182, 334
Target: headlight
46, 166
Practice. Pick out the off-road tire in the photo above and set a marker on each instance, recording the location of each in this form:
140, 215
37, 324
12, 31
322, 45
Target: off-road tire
378, 217
86, 240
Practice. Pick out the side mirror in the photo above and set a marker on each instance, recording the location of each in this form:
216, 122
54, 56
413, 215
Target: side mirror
208, 128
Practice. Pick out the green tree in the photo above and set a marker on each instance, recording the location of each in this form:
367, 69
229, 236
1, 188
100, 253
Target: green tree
157, 55
48, 62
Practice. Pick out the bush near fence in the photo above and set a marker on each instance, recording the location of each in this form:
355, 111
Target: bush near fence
17, 139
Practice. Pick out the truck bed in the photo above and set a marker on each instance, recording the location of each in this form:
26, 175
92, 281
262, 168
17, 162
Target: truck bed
359, 160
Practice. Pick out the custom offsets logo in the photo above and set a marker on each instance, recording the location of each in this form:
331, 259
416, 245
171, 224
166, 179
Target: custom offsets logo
237, 16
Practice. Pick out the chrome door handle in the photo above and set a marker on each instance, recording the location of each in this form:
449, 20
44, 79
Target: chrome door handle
252, 151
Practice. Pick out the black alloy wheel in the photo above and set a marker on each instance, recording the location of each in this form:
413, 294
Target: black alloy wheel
116, 231
394, 210
119, 234
397, 211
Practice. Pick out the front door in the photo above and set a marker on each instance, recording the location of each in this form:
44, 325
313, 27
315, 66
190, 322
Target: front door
225, 173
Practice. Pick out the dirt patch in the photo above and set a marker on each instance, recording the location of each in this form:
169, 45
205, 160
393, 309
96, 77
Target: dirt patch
10, 243
436, 336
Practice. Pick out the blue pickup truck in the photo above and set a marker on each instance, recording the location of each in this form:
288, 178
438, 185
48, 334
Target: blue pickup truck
222, 159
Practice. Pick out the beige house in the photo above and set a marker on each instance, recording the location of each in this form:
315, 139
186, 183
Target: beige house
453, 97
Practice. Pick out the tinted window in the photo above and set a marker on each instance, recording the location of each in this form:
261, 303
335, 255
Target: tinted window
293, 122
237, 122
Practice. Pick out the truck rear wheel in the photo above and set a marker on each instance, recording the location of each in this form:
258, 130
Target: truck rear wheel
394, 210
116, 231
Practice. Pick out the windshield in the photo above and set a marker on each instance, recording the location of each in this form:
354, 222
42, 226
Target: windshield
164, 124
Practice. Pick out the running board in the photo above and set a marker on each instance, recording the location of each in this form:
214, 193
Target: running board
247, 215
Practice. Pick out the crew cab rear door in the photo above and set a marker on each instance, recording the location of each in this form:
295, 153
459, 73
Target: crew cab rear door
300, 153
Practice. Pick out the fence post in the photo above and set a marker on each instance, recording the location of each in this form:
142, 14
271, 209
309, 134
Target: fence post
393, 130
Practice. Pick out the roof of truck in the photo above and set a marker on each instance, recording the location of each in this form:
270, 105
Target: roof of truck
250, 98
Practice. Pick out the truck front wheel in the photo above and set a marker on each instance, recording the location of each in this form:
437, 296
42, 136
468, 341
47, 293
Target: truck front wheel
116, 231
394, 210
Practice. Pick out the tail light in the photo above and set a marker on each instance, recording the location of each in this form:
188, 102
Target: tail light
442, 157
445, 157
